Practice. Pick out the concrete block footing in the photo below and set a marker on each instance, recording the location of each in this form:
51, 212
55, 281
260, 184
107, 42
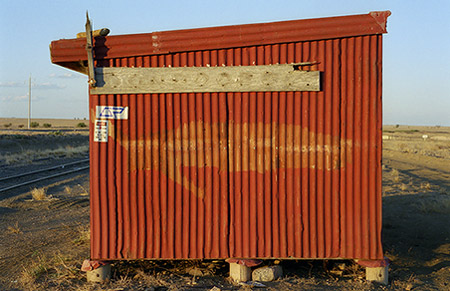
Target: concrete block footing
267, 274
100, 274
240, 273
378, 274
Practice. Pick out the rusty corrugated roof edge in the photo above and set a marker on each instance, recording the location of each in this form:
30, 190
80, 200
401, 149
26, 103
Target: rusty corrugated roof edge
381, 18
73, 50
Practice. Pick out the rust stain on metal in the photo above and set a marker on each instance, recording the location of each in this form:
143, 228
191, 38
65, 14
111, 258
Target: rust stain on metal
251, 174
170, 148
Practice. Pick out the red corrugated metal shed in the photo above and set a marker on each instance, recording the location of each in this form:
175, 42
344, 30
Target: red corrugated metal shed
249, 174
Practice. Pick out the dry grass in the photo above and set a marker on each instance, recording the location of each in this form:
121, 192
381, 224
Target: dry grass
85, 192
438, 149
15, 228
63, 273
150, 280
395, 175
56, 271
84, 235
40, 194
70, 151
403, 187
29, 155
68, 190
33, 272
73, 190
426, 186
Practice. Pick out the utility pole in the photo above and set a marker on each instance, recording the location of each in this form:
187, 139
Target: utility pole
29, 102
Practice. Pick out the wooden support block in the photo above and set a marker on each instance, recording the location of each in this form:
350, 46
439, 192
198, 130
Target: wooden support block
378, 274
266, 78
240, 273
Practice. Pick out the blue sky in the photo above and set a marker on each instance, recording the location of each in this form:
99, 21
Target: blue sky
416, 68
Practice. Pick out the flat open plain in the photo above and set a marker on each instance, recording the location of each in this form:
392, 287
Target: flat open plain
44, 238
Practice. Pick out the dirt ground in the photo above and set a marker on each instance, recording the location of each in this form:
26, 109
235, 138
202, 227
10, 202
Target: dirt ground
43, 242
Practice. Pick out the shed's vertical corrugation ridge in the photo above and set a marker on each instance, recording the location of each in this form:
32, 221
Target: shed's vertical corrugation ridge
290, 190
335, 152
372, 51
213, 175
200, 161
171, 170
112, 193
379, 145
344, 225
364, 146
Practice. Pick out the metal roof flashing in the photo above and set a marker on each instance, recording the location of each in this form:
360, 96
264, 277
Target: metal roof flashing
381, 18
66, 51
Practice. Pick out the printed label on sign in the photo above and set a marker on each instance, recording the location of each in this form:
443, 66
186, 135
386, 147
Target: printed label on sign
101, 131
112, 112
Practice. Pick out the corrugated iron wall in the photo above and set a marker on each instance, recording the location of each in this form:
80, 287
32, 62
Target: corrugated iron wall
218, 175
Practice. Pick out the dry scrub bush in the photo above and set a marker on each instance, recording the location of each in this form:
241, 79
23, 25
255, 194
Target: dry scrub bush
40, 194
69, 151
426, 186
85, 192
14, 229
403, 187
395, 175
68, 190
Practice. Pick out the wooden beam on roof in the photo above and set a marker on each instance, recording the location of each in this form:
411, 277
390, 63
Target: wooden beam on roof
267, 78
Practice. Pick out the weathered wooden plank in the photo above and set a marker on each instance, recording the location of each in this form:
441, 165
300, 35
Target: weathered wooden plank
205, 79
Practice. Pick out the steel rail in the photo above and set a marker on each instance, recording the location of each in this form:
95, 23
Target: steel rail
43, 170
43, 178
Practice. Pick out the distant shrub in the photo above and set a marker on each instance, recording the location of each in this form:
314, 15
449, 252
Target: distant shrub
57, 132
34, 124
7, 125
20, 125
47, 125
397, 125
81, 124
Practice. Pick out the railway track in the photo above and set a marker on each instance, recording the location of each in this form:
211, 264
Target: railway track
28, 178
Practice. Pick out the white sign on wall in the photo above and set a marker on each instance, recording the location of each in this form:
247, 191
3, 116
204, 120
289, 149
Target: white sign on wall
101, 131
